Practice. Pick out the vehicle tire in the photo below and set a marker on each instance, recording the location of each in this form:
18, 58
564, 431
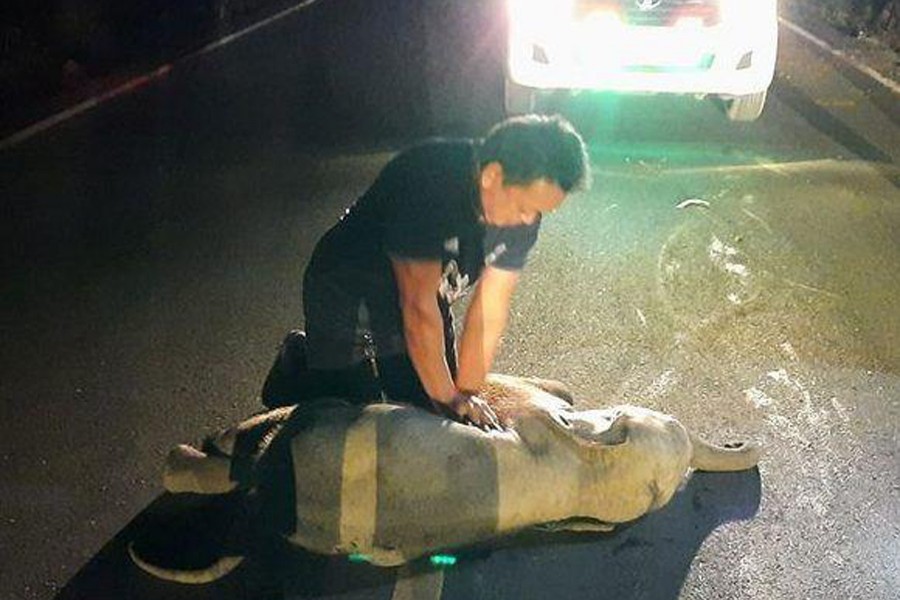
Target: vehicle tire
747, 108
518, 99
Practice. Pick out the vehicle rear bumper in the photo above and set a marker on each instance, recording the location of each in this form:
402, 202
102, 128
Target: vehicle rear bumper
710, 61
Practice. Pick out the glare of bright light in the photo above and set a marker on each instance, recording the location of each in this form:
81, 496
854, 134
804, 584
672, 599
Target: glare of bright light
544, 19
689, 23
598, 50
606, 43
546, 23
603, 20
752, 17
600, 37
443, 560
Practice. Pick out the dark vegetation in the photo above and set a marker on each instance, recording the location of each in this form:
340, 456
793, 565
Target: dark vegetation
863, 17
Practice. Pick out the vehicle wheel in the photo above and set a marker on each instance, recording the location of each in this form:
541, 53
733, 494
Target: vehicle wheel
517, 99
747, 108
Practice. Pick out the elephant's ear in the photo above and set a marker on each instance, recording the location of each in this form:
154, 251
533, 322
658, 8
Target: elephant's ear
536, 430
594, 429
541, 430
249, 438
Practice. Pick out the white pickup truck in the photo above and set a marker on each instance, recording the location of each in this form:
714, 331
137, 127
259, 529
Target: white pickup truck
722, 48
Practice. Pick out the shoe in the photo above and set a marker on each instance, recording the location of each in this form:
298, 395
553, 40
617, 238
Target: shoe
285, 383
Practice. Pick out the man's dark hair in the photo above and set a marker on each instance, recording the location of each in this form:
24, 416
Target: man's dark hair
536, 147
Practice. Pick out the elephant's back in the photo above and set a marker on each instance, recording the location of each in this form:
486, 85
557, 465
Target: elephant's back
437, 482
315, 462
393, 479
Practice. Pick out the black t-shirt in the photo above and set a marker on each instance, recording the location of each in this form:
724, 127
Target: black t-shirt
424, 205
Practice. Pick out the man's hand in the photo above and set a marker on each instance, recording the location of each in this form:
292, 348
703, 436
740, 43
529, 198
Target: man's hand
469, 409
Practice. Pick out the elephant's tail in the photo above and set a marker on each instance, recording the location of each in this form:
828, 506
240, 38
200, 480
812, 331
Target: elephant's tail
220, 568
732, 457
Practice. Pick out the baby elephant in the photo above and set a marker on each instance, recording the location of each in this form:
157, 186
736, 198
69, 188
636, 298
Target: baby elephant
393, 483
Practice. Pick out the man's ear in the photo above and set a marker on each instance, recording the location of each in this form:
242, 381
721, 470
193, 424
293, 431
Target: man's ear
492, 175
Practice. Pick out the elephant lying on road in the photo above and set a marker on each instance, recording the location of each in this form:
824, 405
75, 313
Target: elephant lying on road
394, 483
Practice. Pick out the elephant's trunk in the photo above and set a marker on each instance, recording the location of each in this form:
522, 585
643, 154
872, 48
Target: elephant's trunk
707, 457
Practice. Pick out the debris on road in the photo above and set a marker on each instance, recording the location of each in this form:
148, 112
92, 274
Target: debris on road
692, 202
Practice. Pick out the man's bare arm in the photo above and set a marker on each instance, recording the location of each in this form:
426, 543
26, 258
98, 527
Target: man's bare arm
423, 327
484, 324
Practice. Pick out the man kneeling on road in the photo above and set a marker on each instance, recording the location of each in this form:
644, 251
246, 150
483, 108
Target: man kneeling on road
378, 288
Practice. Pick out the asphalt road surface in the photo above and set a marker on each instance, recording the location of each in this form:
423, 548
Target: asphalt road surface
152, 251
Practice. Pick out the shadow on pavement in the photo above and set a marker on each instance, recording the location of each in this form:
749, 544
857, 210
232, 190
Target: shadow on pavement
834, 128
825, 122
648, 559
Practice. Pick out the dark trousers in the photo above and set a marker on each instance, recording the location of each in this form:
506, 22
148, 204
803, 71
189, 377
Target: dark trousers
291, 381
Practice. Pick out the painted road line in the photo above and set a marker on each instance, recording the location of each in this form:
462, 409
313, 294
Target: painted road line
359, 487
885, 81
140, 81
250, 29
82, 107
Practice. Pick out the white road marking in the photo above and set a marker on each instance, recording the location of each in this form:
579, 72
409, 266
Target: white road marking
359, 487
74, 111
758, 398
865, 69
250, 29
641, 317
141, 80
725, 258
805, 428
840, 410
90, 103
784, 169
